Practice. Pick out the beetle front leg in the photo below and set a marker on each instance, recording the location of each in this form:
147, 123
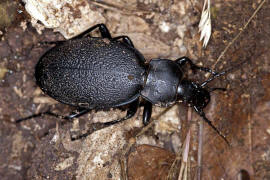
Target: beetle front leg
105, 33
183, 60
147, 112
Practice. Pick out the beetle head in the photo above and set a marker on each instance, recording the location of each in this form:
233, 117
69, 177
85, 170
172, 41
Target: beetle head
193, 94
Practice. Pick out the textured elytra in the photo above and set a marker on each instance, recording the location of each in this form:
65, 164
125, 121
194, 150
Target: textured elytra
91, 73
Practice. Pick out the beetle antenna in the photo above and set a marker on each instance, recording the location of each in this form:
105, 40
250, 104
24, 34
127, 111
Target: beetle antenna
216, 75
212, 126
202, 114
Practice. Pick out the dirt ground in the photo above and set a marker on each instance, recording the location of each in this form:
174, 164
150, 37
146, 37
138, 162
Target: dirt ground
41, 148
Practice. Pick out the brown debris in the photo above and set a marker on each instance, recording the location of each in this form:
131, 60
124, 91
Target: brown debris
149, 162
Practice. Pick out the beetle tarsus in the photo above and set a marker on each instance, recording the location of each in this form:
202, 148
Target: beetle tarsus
94, 127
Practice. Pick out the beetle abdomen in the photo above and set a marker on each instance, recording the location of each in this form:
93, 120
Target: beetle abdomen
91, 73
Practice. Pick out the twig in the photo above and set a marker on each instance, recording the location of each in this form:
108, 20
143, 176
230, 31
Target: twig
173, 169
187, 141
183, 169
118, 8
200, 148
238, 35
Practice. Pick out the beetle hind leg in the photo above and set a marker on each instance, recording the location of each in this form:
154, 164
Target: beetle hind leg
77, 114
97, 126
125, 39
130, 113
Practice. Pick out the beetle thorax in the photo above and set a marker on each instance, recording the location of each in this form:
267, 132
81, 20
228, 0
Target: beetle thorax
161, 84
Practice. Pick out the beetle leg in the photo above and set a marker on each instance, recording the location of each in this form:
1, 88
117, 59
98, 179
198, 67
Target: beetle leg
49, 113
125, 39
202, 114
147, 112
78, 113
212, 78
51, 42
97, 126
105, 33
130, 113
183, 60
214, 89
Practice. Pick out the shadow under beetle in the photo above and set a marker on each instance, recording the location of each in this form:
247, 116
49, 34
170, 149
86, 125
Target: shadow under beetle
104, 72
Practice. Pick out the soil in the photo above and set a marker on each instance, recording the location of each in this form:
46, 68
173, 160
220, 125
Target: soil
41, 148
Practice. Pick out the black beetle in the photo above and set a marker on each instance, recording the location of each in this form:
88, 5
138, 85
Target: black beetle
104, 72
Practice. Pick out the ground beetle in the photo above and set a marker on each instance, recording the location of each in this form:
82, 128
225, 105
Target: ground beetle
104, 72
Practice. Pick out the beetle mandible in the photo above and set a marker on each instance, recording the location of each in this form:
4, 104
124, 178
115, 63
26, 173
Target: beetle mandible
104, 72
